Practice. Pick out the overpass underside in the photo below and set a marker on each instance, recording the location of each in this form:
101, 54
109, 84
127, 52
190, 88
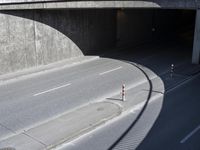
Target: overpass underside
40, 32
60, 4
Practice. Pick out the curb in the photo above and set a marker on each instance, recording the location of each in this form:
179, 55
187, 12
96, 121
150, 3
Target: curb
28, 73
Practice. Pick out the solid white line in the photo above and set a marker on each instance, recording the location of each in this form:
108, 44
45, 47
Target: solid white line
189, 135
110, 70
53, 89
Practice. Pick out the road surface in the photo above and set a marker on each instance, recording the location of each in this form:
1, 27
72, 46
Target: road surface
65, 103
178, 124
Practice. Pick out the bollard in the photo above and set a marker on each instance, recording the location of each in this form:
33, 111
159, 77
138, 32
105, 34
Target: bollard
172, 70
123, 92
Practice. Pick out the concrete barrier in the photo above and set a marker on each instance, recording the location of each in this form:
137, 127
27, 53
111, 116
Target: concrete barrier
28, 43
31, 38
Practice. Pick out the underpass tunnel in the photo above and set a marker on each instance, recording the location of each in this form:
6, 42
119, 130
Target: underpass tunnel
141, 26
158, 39
155, 38
31, 38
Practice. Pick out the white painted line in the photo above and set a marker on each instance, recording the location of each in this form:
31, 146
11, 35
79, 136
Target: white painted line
189, 135
53, 89
110, 70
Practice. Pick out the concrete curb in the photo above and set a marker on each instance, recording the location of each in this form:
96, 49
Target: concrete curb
28, 73
132, 137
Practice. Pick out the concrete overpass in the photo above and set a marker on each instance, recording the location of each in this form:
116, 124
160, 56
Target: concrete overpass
71, 28
58, 4
151, 33
39, 32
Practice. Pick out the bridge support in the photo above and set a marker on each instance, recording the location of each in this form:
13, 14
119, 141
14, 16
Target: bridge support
196, 45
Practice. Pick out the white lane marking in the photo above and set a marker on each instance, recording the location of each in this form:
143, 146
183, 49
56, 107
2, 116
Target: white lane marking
189, 135
53, 89
110, 70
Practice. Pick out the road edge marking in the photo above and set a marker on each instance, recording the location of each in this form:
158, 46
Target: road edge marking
190, 134
110, 70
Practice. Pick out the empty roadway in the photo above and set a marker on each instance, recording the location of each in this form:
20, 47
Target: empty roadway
177, 127
30, 102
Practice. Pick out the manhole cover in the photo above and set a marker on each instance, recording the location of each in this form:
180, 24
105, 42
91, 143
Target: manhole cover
100, 109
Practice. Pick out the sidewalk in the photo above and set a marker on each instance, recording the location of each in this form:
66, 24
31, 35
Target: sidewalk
64, 128
78, 122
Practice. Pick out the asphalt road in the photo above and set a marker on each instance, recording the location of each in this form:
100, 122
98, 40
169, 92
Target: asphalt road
30, 102
178, 124
177, 127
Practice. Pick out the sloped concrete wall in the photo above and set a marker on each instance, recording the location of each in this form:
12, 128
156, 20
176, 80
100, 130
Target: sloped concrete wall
26, 43
33, 38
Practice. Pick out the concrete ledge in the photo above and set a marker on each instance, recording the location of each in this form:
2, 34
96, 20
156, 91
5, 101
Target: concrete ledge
165, 4
28, 73
65, 127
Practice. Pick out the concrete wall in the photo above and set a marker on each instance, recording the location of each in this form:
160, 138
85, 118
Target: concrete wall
34, 38
137, 26
134, 26
30, 38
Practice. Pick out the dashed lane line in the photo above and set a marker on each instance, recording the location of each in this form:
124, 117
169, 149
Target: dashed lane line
110, 70
53, 89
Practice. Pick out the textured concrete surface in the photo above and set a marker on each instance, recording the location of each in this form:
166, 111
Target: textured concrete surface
64, 128
36, 71
35, 38
28, 43
179, 4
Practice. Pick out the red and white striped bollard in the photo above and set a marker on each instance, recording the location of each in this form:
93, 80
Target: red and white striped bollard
123, 92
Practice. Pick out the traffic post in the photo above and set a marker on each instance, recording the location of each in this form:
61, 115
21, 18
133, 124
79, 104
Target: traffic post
172, 70
123, 92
